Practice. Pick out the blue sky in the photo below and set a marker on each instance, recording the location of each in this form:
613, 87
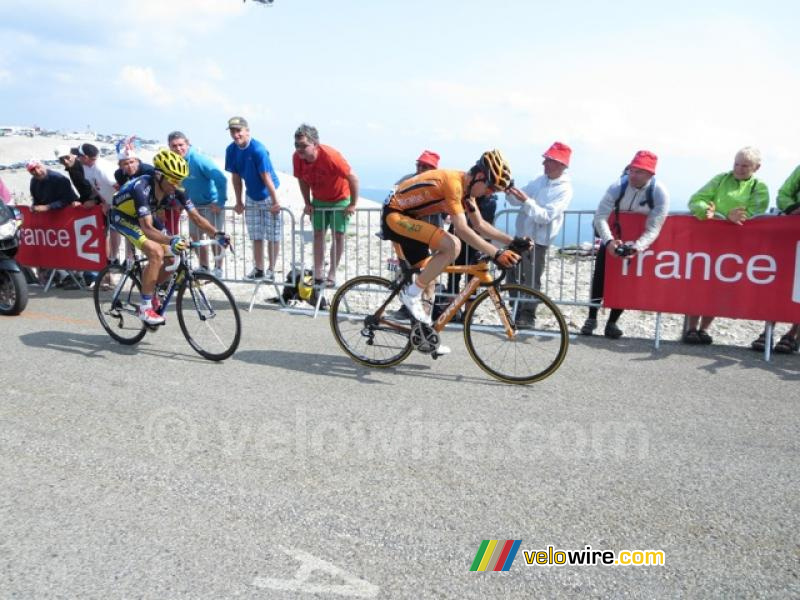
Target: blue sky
691, 81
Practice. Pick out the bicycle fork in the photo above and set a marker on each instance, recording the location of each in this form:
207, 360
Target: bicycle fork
502, 310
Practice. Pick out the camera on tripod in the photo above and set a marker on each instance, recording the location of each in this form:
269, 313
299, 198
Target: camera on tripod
625, 249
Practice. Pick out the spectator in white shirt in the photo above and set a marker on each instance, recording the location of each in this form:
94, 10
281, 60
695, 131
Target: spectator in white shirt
542, 204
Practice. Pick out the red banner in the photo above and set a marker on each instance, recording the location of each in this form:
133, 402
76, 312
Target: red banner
713, 268
71, 238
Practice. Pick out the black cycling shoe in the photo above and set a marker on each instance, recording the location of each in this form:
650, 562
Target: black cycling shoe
612, 331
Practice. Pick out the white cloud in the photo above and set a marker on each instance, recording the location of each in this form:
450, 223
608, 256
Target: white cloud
141, 81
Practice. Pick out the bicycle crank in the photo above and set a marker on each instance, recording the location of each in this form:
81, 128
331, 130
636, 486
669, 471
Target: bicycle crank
424, 338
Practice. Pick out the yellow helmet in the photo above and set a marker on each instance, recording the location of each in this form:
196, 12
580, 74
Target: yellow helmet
172, 165
496, 169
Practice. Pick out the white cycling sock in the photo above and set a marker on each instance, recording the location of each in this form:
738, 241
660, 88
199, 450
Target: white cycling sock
413, 289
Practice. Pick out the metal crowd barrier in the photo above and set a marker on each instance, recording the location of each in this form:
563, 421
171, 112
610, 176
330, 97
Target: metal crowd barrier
364, 252
570, 259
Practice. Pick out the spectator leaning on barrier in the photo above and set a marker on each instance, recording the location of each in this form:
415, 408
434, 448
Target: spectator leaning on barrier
789, 204
248, 160
736, 196
100, 175
50, 190
98, 172
637, 191
68, 157
207, 187
541, 216
330, 193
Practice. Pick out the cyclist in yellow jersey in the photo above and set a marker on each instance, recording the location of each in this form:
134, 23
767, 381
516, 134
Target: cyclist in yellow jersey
454, 193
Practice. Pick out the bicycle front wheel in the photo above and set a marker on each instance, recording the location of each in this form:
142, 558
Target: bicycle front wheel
373, 341
538, 341
208, 316
117, 295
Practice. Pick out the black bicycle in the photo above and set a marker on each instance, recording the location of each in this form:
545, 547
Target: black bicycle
513, 332
206, 309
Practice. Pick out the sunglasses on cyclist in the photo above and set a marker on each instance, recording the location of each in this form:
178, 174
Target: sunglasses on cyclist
175, 182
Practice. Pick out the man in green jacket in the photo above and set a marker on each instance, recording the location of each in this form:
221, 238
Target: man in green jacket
789, 204
736, 196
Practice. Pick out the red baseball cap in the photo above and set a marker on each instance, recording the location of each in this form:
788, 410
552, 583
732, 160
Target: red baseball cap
32, 164
429, 158
559, 152
645, 160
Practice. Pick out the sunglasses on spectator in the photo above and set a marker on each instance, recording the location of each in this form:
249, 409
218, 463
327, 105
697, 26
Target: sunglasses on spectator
301, 146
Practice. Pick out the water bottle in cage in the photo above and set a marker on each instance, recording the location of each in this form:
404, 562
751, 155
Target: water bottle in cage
393, 264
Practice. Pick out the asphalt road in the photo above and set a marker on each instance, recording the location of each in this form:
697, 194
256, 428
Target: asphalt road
289, 471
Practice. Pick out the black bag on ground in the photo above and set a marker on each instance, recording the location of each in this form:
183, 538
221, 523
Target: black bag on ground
299, 287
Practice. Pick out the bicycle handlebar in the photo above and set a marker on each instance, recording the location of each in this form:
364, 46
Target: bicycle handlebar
197, 244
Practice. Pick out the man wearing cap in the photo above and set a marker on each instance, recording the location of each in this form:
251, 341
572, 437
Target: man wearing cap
207, 187
427, 161
98, 172
100, 175
542, 204
130, 165
68, 157
50, 190
248, 160
637, 191
330, 191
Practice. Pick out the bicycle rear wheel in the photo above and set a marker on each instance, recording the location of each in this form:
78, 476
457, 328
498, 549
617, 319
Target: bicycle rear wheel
539, 341
117, 295
364, 337
208, 316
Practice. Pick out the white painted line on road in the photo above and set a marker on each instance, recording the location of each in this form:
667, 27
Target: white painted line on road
353, 586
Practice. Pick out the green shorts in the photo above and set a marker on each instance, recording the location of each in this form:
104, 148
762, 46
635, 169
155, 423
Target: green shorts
333, 217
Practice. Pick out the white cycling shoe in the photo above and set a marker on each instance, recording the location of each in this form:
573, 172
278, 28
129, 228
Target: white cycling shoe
415, 307
442, 350
151, 317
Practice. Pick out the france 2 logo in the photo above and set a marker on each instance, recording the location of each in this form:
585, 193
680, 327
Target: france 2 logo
88, 236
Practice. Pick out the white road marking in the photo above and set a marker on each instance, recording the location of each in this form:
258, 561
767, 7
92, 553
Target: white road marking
353, 586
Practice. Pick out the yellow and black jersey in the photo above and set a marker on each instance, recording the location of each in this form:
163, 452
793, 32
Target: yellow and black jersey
137, 199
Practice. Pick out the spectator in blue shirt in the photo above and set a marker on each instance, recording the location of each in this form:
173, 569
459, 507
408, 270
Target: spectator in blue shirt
248, 160
207, 187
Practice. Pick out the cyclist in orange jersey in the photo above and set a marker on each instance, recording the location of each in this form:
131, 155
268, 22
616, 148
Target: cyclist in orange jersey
454, 193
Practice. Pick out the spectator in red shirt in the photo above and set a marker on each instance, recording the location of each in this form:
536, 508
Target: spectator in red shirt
330, 192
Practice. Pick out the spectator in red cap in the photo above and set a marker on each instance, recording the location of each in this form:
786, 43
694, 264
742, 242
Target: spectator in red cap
637, 191
427, 160
736, 196
542, 204
50, 190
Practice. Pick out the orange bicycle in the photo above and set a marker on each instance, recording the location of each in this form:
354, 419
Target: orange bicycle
514, 333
